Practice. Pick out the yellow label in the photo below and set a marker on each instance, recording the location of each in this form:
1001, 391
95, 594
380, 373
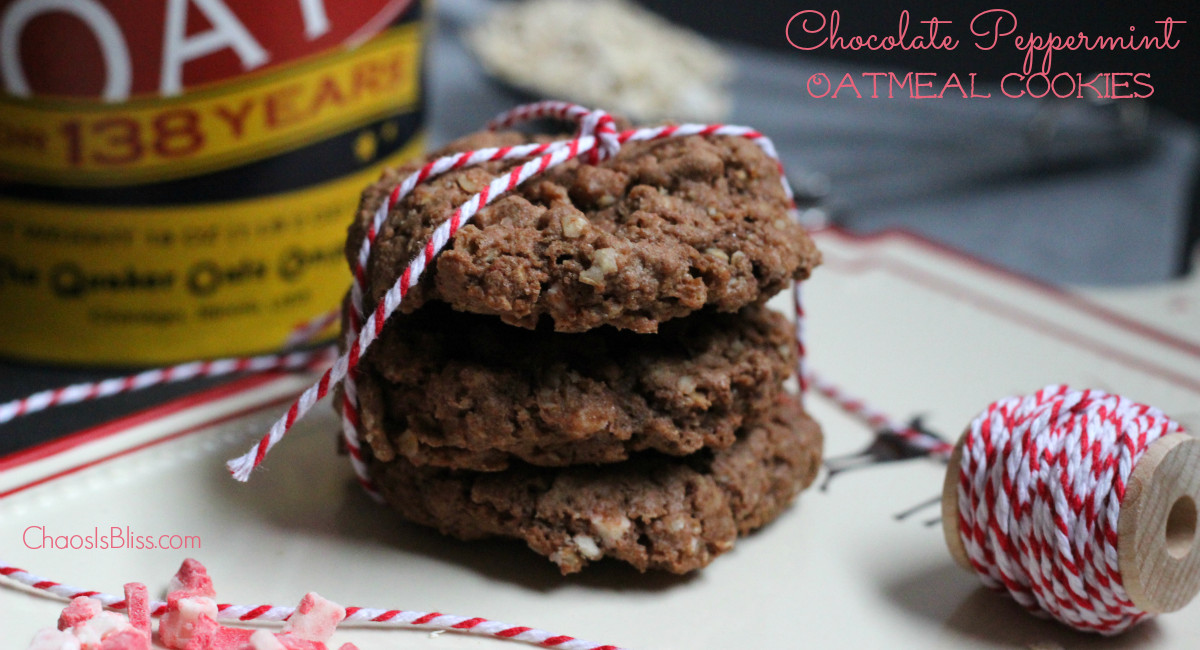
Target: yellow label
164, 284
87, 143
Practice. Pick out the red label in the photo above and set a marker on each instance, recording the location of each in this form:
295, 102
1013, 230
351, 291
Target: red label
117, 49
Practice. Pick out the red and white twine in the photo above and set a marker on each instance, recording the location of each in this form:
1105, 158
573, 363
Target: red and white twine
85, 391
596, 138
355, 616
1039, 492
1040, 485
881, 422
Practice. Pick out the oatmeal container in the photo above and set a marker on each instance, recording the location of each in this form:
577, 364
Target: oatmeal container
176, 176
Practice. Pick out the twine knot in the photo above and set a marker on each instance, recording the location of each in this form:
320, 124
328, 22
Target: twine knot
600, 125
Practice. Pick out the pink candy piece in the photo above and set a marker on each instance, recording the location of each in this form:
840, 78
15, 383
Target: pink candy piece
315, 619
80, 609
207, 634
290, 642
210, 635
126, 639
178, 623
84, 625
192, 579
137, 603
189, 622
190, 595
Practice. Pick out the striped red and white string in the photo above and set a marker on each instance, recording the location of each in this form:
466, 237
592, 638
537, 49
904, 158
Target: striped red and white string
355, 616
883, 424
1018, 530
1040, 488
85, 391
595, 138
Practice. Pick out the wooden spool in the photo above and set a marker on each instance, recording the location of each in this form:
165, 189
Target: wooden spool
1158, 551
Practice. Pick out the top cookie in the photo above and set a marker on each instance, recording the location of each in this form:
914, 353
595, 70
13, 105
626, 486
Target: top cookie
663, 229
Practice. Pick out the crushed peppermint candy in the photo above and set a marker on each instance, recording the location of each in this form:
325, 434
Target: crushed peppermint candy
189, 622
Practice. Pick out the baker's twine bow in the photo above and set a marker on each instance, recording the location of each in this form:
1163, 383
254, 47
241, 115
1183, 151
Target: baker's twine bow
596, 137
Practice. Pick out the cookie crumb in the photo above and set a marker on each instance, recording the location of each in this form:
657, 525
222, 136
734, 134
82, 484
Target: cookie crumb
717, 253
573, 226
587, 547
604, 263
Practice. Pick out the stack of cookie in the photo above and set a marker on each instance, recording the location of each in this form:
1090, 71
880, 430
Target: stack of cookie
591, 367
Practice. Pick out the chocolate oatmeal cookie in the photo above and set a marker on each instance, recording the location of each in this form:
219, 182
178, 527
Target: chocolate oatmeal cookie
664, 229
652, 511
466, 391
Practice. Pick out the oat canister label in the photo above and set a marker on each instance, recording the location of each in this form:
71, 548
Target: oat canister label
176, 176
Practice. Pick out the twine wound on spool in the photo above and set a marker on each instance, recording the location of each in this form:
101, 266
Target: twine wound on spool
1079, 504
